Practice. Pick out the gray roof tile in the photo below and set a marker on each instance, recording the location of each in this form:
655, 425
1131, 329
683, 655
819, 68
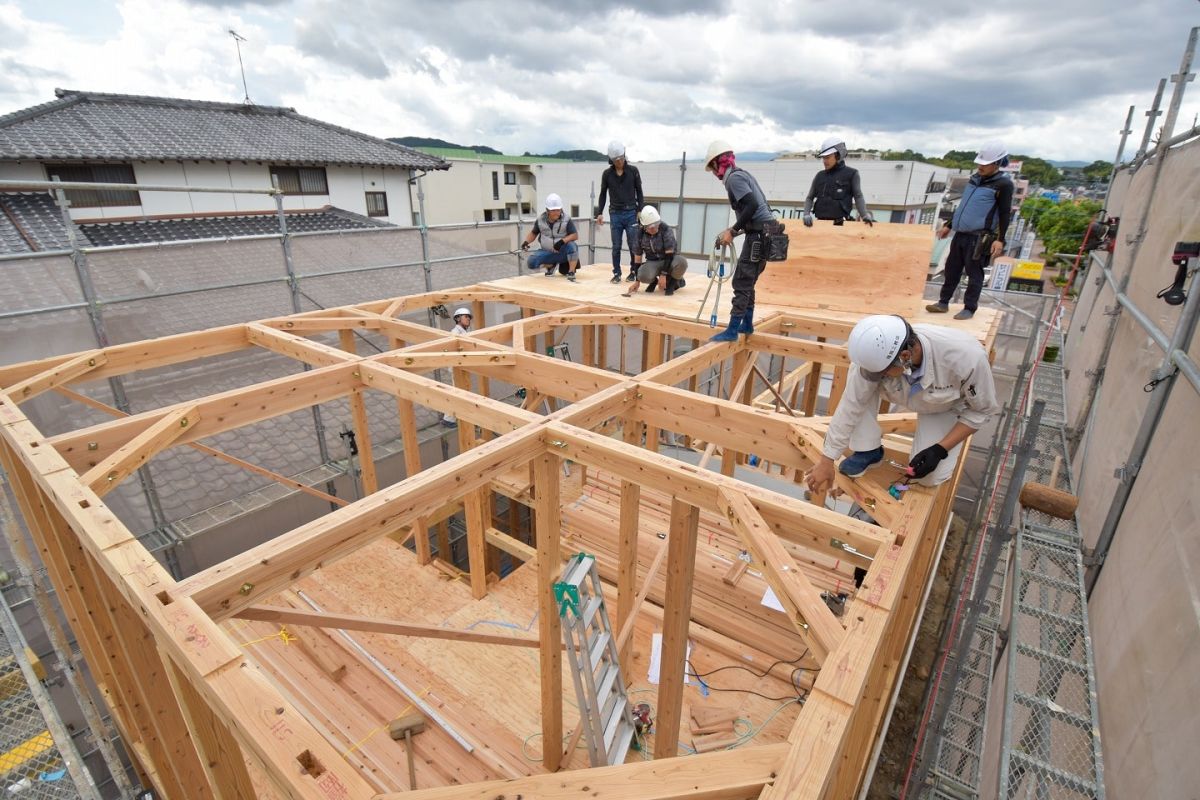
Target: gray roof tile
139, 231
34, 222
114, 127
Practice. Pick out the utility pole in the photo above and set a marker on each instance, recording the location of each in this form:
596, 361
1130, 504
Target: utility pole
237, 42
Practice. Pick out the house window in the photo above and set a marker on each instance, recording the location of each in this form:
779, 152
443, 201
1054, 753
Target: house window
300, 180
495, 185
510, 179
377, 204
96, 173
574, 211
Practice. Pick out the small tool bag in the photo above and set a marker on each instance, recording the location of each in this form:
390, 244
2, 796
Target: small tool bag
775, 241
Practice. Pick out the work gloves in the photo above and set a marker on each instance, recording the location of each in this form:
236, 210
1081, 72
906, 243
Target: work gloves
807, 220
870, 222
525, 245
558, 246
927, 460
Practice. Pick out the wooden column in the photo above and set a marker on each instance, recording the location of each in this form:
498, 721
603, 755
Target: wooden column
443, 538
812, 386
222, 757
474, 505
478, 321
412, 466
840, 375
677, 612
652, 356
362, 431
589, 345
602, 347
548, 522
627, 549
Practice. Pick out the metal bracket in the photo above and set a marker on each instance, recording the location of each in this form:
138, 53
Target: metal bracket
849, 548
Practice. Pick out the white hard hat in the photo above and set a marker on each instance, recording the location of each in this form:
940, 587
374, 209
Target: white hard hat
834, 144
458, 312
649, 216
553, 202
615, 150
876, 341
715, 149
991, 152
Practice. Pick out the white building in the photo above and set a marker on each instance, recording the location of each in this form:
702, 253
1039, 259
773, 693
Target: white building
110, 138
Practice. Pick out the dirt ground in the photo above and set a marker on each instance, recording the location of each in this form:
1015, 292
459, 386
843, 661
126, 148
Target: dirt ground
898, 744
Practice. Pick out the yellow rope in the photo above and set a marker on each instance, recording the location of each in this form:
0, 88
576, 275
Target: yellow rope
404, 711
282, 636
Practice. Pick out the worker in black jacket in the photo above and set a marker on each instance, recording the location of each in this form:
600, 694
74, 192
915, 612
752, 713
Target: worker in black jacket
624, 182
835, 188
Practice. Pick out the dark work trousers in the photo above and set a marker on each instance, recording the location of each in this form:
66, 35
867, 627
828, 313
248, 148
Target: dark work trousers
962, 248
623, 224
745, 275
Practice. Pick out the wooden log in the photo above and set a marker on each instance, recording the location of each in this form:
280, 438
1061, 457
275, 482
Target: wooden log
1054, 502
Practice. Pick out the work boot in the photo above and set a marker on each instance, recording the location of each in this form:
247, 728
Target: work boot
571, 277
937, 308
747, 326
672, 285
964, 314
651, 286
860, 462
632, 276
616, 278
730, 334
550, 271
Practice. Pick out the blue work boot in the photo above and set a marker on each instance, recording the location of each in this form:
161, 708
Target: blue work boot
860, 462
747, 326
730, 334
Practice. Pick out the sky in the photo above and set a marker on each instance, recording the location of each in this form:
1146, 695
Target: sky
1051, 78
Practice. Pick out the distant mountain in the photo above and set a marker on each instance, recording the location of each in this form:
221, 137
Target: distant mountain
756, 155
1073, 164
573, 155
426, 141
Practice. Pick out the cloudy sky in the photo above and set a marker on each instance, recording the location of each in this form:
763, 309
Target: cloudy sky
1050, 77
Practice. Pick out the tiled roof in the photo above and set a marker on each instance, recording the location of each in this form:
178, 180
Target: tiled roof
92, 126
105, 234
32, 222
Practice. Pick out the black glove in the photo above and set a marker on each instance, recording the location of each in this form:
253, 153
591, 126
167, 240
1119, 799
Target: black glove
927, 460
870, 222
808, 219
524, 245
558, 245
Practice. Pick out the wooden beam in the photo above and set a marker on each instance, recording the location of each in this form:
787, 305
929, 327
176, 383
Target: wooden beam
261, 571
510, 545
627, 547
548, 523
297, 347
362, 429
352, 622
425, 362
321, 324
129, 458
57, 375
677, 613
475, 410
807, 611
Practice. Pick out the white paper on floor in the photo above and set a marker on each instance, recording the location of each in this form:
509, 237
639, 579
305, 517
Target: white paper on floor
656, 659
771, 601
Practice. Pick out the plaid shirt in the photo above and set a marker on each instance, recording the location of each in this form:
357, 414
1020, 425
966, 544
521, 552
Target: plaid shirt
654, 247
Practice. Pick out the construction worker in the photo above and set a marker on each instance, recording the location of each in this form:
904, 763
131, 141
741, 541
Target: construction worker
462, 324
555, 231
979, 225
941, 373
753, 214
662, 268
625, 183
835, 188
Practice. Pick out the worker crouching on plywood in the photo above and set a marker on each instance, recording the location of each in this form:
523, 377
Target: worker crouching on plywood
556, 233
661, 267
941, 373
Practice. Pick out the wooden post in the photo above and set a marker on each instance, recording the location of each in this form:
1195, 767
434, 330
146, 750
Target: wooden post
548, 521
602, 347
362, 431
412, 465
681, 568
812, 386
589, 345
627, 549
443, 538
840, 374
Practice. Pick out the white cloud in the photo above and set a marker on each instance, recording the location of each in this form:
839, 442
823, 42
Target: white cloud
663, 76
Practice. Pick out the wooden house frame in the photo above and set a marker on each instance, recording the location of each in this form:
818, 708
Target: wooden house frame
200, 717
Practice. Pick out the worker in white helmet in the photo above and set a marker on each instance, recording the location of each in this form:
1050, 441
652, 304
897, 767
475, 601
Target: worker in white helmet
462, 324
624, 182
835, 190
979, 225
941, 373
555, 231
662, 267
753, 218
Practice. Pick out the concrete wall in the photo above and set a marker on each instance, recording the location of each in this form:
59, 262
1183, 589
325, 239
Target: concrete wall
1145, 608
347, 189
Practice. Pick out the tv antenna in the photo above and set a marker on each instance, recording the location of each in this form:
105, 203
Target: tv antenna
237, 42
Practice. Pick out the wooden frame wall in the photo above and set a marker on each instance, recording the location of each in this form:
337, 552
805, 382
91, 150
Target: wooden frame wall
202, 720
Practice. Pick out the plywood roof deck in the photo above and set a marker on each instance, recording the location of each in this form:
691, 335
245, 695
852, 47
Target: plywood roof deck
207, 713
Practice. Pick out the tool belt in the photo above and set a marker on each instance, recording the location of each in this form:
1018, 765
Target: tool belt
775, 241
983, 245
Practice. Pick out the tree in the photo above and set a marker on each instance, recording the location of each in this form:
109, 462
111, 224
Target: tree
1039, 171
1060, 226
1098, 171
902, 155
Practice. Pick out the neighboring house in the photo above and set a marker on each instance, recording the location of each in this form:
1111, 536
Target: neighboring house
483, 187
332, 178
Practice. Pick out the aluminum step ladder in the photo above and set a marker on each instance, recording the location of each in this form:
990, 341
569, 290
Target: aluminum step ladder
604, 710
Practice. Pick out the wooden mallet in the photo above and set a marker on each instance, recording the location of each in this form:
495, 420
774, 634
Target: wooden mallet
405, 728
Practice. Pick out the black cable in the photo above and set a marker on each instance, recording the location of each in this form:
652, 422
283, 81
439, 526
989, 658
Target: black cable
795, 684
751, 671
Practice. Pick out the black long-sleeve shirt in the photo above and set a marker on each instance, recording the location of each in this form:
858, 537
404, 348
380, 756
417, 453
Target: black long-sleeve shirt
626, 189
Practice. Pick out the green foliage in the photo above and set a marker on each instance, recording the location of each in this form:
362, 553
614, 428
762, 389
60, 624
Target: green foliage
1060, 226
1038, 170
574, 155
903, 155
1098, 171
429, 141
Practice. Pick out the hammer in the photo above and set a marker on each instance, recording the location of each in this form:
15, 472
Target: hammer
404, 728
